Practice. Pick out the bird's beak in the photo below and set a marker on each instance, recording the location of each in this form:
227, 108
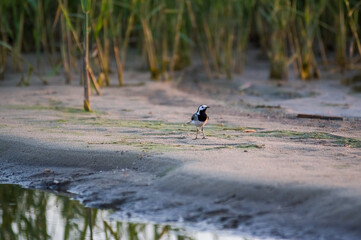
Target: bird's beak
208, 107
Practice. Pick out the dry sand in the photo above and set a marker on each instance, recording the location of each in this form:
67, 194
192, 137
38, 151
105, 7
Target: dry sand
261, 172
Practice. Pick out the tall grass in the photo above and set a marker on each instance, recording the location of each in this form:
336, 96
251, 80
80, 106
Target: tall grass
276, 18
303, 33
170, 34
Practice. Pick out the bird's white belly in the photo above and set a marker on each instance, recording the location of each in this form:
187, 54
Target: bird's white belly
197, 123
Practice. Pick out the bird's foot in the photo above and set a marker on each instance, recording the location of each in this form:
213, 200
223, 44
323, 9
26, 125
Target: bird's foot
204, 138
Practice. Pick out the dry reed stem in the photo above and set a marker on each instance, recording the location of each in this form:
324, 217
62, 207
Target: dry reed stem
102, 58
118, 63
18, 43
353, 26
129, 29
176, 39
150, 49
86, 58
93, 80
198, 39
64, 54
211, 48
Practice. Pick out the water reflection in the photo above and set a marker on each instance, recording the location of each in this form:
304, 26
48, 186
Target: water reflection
34, 214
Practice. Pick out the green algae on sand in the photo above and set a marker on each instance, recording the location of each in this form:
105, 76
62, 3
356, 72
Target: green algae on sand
335, 139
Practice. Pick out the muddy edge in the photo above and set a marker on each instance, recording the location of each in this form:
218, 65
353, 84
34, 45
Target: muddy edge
157, 189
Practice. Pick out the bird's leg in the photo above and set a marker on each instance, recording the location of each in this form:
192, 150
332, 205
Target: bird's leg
196, 133
204, 136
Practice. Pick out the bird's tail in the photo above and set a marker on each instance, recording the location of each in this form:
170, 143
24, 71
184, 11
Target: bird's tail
189, 122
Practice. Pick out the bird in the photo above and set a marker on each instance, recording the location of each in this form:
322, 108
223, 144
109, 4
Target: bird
199, 119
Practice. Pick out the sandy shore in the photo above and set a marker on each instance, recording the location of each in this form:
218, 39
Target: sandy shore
265, 173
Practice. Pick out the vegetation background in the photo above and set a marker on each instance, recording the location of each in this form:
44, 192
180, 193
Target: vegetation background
167, 35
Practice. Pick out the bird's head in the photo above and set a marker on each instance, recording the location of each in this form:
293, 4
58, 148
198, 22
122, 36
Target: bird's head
202, 108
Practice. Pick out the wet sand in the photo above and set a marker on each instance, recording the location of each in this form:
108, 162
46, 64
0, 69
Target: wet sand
261, 171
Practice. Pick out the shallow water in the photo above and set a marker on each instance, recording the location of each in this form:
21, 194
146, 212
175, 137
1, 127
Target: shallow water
35, 214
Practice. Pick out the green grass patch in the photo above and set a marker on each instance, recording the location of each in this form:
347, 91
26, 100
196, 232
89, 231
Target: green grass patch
158, 125
160, 128
61, 121
161, 147
53, 107
237, 146
145, 146
339, 140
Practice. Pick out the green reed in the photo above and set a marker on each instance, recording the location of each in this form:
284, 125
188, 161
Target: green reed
167, 35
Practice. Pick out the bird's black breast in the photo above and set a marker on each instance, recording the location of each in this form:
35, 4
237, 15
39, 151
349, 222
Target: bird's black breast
202, 116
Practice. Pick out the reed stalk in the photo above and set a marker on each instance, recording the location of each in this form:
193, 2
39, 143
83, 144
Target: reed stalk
103, 43
86, 5
118, 62
176, 39
93, 80
37, 31
3, 48
352, 14
70, 25
68, 48
278, 16
115, 29
19, 26
211, 48
129, 28
63, 47
321, 45
78, 28
106, 48
198, 39
102, 57
150, 49
341, 31
308, 27
243, 30
120, 42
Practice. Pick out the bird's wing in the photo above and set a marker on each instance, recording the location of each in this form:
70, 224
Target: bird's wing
194, 117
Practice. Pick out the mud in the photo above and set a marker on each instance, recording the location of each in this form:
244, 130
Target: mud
261, 171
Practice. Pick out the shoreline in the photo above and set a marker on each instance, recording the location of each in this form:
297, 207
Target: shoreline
261, 210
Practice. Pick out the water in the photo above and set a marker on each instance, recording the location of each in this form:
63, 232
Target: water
34, 214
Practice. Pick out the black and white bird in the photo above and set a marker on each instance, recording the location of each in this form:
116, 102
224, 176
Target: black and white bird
200, 118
